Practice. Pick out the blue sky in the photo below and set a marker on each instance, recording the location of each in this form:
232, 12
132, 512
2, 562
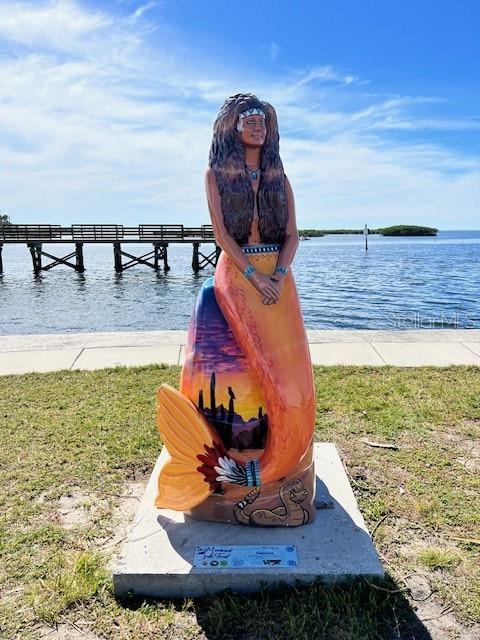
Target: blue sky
106, 108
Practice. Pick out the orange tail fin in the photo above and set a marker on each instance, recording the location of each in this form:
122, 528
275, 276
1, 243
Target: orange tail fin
198, 462
185, 433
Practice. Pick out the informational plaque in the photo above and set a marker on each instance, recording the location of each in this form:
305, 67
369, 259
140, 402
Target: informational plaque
245, 556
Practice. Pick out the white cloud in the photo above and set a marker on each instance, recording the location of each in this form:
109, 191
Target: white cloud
325, 73
98, 125
138, 13
271, 49
54, 24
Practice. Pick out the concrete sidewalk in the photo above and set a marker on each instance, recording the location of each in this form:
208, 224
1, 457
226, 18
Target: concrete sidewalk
51, 352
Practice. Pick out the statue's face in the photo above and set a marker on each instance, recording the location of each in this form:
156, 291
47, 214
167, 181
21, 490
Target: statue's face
254, 131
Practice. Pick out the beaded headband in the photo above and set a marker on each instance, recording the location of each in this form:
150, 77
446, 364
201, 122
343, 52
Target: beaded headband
254, 111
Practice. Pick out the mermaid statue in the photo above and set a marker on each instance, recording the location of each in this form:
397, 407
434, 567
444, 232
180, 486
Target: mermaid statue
239, 432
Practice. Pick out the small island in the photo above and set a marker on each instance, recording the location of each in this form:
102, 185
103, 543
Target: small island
407, 230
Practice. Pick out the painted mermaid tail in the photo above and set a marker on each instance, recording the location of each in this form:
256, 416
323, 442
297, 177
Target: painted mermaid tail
273, 339
260, 354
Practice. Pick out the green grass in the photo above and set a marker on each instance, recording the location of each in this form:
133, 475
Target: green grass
70, 580
90, 433
439, 559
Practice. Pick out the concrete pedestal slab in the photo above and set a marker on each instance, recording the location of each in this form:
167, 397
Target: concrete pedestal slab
158, 555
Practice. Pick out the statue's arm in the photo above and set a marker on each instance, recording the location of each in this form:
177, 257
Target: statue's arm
223, 239
289, 248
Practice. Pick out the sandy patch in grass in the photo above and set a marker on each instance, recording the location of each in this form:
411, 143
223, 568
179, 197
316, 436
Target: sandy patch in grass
67, 631
73, 510
438, 619
126, 505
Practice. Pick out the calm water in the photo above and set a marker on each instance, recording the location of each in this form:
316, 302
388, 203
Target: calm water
399, 283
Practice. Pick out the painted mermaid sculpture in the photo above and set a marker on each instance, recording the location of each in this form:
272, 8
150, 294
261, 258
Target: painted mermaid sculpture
239, 431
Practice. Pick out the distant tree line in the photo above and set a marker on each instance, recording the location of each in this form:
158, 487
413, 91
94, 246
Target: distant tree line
396, 230
312, 233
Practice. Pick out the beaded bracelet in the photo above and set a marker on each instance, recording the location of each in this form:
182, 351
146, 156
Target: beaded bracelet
248, 271
282, 270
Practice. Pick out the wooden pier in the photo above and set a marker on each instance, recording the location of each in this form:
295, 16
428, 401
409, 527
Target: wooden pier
159, 236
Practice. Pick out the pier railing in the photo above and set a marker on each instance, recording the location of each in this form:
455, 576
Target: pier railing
105, 233
24, 232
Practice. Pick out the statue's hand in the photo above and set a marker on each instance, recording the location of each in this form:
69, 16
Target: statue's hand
278, 282
266, 287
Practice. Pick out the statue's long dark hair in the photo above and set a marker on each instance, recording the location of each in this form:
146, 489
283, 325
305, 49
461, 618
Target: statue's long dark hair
227, 159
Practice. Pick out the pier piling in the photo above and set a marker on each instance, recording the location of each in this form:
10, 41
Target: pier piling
79, 257
117, 257
36, 253
195, 258
200, 260
161, 253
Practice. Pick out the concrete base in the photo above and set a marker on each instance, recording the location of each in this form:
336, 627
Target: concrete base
158, 554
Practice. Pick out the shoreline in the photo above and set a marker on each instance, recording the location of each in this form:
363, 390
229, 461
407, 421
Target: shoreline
24, 353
